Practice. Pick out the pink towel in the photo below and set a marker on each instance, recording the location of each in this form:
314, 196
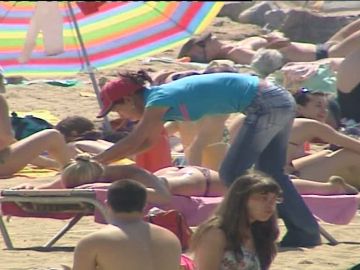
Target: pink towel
335, 209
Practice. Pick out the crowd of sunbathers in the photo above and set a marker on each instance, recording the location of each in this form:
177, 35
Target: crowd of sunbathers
294, 141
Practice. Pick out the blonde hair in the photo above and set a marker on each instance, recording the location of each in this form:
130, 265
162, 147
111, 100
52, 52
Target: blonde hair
81, 170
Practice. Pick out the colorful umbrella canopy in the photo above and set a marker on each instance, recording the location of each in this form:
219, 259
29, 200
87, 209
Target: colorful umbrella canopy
118, 32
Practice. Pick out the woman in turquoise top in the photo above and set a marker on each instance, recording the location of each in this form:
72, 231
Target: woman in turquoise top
263, 139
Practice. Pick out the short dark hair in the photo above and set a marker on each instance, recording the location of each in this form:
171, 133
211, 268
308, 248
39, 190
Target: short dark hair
126, 196
301, 96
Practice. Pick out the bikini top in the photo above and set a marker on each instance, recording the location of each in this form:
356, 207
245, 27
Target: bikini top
249, 261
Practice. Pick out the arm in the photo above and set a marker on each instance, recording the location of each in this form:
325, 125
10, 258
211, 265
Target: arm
140, 139
330, 135
45, 162
156, 189
85, 255
210, 258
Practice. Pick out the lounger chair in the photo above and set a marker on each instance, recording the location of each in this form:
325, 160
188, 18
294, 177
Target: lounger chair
70, 204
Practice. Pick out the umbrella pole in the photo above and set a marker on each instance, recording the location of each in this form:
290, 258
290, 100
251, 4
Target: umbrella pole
89, 69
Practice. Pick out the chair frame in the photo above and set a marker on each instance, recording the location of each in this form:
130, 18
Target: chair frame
81, 197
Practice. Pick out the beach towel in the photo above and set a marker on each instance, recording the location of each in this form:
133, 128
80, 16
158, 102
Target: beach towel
318, 77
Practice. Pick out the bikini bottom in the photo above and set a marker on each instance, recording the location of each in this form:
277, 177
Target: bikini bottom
207, 176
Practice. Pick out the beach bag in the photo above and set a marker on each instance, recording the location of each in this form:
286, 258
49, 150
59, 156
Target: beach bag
172, 220
28, 125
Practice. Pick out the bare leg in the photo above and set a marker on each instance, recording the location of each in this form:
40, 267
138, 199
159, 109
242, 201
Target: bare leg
209, 130
347, 79
322, 168
345, 31
27, 150
299, 52
345, 46
335, 186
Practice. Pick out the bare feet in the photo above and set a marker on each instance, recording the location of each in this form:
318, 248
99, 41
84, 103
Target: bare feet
341, 187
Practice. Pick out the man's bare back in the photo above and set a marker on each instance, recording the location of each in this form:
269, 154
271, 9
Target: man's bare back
129, 243
135, 245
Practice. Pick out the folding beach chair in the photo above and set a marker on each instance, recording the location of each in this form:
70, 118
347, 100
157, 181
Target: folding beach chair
70, 204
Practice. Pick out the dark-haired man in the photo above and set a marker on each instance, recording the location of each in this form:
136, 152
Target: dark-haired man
128, 242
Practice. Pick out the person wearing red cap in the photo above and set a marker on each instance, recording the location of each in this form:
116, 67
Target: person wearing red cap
269, 109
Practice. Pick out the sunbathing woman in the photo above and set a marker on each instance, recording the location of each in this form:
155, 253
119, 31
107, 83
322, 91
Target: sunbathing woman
185, 181
15, 155
308, 127
207, 47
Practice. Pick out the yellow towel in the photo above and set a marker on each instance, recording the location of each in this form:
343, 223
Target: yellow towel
31, 171
124, 161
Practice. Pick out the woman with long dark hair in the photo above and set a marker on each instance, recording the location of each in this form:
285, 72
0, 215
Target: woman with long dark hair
243, 230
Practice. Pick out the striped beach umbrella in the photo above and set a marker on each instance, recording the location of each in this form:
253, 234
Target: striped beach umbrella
37, 41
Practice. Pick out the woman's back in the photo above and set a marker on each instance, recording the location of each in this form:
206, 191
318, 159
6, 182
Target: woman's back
195, 96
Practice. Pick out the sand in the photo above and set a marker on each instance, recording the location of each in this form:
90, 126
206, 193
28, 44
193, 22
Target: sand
80, 100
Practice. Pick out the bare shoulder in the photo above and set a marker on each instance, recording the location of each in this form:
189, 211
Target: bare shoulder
214, 234
160, 232
103, 235
298, 122
165, 238
307, 125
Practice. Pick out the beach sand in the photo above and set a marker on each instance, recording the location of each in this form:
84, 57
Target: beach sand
80, 100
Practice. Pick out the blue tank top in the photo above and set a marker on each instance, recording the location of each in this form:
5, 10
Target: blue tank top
193, 97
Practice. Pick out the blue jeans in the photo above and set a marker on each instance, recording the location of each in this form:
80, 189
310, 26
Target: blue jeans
262, 141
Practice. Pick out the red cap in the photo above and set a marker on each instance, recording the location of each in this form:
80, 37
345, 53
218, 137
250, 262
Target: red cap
114, 91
